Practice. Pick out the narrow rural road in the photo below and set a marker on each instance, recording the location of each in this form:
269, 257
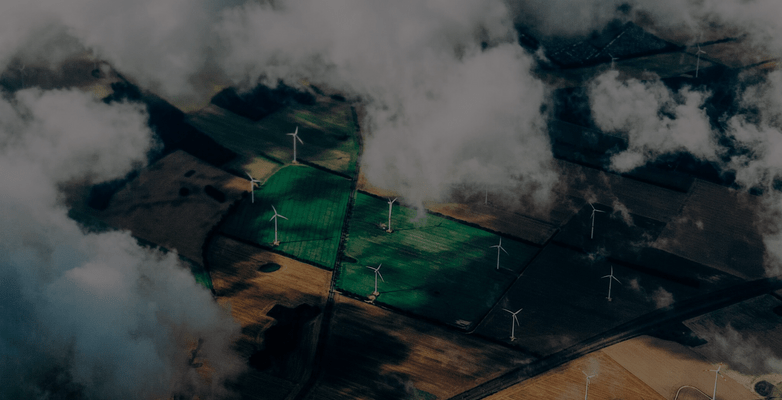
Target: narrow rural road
677, 312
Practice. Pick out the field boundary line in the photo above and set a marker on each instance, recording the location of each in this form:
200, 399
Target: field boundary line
272, 250
319, 359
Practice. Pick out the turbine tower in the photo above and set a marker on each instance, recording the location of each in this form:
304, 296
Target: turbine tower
252, 187
513, 322
499, 247
295, 138
610, 278
717, 373
274, 217
612, 60
377, 273
586, 392
594, 210
390, 205
698, 63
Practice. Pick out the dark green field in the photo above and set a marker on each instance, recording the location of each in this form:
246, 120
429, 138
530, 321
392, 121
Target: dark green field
327, 129
314, 202
436, 267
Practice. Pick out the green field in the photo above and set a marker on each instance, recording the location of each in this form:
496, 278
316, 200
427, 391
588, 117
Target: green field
327, 129
436, 267
314, 202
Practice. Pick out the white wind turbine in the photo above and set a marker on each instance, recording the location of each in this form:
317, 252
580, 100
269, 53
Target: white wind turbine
612, 60
274, 217
586, 392
390, 205
252, 187
717, 374
295, 138
698, 63
594, 210
513, 322
611, 277
377, 273
499, 247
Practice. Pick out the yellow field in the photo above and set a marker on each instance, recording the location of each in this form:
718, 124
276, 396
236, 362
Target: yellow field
251, 294
376, 354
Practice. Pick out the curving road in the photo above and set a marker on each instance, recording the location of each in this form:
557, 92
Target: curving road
644, 324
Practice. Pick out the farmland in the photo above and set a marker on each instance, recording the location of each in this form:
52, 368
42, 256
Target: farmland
255, 292
717, 227
564, 300
327, 129
377, 354
167, 203
433, 266
314, 202
610, 381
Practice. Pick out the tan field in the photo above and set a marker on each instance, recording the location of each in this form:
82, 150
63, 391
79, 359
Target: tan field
667, 366
153, 209
251, 294
377, 354
610, 381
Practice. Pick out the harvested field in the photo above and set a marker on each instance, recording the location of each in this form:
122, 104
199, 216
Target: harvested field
564, 300
377, 354
640, 198
315, 203
610, 381
433, 267
717, 228
168, 206
255, 298
326, 128
737, 332
666, 367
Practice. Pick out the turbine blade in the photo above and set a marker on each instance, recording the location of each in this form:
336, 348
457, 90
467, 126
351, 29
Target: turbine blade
501, 248
297, 130
381, 264
607, 276
273, 217
496, 245
298, 138
370, 267
519, 310
248, 174
617, 280
282, 216
516, 320
596, 210
380, 275
275, 210
508, 310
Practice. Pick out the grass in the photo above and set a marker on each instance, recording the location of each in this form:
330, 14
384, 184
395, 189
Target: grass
314, 202
327, 129
433, 267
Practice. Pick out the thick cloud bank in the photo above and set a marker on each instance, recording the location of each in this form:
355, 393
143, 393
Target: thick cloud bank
449, 93
654, 119
93, 315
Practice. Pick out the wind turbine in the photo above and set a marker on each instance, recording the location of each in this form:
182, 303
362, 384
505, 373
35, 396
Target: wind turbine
377, 273
612, 60
610, 278
717, 373
698, 63
295, 138
252, 187
274, 217
390, 204
594, 210
499, 247
586, 392
514, 322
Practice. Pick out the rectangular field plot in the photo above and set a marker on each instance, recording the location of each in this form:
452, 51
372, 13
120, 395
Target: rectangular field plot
434, 267
326, 128
564, 300
314, 202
